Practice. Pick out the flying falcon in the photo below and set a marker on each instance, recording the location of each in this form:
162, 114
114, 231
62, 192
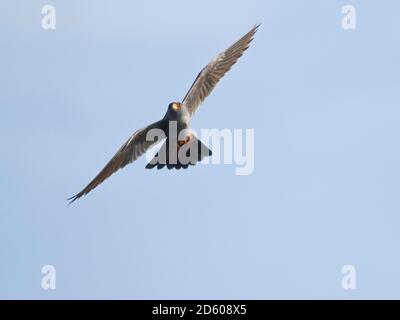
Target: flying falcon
179, 113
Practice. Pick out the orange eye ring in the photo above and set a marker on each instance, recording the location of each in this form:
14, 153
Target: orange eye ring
176, 106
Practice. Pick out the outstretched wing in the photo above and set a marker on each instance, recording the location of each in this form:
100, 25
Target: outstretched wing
132, 149
208, 78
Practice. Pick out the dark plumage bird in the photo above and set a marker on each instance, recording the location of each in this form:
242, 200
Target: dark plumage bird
181, 112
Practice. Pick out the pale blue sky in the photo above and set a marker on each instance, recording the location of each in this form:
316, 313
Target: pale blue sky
324, 104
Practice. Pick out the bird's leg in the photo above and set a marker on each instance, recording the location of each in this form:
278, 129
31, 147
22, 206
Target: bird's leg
187, 139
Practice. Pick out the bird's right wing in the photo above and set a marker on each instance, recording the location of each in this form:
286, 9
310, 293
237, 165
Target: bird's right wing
132, 149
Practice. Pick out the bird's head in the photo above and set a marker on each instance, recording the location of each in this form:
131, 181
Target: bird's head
175, 110
175, 106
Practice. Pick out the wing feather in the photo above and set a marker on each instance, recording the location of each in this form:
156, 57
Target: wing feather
132, 149
210, 75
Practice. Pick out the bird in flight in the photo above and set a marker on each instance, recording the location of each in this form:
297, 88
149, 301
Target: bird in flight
179, 113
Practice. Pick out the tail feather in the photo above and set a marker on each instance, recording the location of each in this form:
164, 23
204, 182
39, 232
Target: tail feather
195, 152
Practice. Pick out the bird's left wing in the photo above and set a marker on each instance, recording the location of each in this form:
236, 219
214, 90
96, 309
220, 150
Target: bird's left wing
208, 78
132, 149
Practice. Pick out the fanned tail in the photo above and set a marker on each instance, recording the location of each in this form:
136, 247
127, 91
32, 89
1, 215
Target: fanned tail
179, 155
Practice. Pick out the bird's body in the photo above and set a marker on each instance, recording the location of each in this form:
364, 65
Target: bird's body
179, 115
178, 112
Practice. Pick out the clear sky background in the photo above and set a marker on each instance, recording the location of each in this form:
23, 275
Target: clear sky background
325, 107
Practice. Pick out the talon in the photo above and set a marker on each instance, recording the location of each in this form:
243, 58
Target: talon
182, 142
